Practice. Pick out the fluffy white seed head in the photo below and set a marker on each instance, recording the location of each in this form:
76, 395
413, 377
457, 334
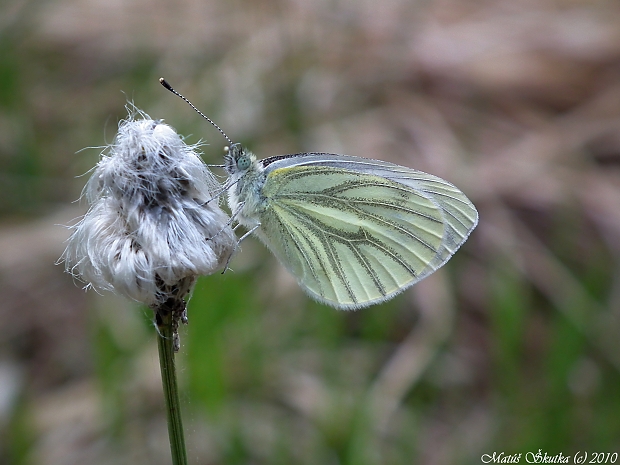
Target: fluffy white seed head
154, 222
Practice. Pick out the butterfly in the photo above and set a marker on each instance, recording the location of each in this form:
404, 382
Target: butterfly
353, 231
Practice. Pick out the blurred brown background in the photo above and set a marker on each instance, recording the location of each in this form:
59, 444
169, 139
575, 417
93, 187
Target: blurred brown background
512, 347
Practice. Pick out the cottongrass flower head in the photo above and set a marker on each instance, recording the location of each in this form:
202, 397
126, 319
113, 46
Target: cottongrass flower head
154, 223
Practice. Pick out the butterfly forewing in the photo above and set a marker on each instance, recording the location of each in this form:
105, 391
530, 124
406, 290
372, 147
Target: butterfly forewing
350, 237
459, 214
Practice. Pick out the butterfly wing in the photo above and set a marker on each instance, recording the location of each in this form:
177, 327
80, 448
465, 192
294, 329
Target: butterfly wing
354, 231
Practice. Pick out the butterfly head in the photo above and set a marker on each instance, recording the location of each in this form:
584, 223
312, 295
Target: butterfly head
237, 159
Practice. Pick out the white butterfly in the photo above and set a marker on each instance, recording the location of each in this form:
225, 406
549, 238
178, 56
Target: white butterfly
353, 231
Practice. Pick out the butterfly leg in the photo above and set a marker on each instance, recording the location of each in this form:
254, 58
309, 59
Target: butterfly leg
248, 233
232, 218
237, 245
216, 196
222, 189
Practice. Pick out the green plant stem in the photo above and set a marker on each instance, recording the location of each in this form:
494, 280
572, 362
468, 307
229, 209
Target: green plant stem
165, 345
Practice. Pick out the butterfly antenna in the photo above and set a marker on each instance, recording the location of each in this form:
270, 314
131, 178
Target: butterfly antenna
164, 83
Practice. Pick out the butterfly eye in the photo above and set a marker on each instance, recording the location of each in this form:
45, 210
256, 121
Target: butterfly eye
243, 163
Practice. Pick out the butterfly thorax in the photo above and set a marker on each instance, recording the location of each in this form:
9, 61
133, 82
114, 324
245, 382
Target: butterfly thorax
247, 177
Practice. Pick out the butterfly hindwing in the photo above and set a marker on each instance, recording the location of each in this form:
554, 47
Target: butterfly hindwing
352, 237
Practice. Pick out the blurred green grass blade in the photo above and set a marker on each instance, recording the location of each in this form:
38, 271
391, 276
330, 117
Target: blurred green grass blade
222, 313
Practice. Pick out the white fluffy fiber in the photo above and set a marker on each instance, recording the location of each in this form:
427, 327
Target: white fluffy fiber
154, 223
